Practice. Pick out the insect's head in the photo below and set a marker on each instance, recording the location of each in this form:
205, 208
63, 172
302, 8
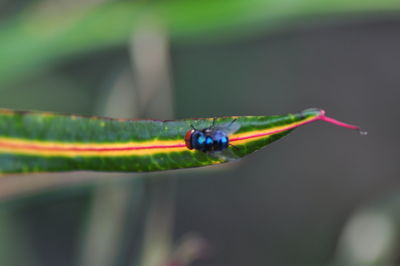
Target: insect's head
188, 139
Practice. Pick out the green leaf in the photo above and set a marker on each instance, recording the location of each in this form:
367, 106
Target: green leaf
46, 142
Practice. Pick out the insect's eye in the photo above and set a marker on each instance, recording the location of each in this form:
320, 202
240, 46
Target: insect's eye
201, 140
224, 140
209, 140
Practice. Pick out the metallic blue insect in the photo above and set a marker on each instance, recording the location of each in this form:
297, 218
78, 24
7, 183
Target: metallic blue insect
211, 139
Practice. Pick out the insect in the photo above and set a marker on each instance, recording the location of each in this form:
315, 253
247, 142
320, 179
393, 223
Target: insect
211, 139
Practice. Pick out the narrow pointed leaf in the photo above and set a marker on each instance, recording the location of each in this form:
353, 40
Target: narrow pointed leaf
48, 142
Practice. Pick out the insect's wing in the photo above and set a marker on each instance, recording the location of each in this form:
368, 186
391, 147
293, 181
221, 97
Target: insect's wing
225, 155
229, 128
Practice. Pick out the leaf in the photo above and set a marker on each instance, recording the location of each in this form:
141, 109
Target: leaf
48, 142
32, 40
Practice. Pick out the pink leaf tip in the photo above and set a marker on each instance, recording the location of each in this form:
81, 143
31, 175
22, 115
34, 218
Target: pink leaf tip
325, 118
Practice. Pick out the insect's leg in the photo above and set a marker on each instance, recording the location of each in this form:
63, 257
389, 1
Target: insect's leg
213, 122
231, 123
192, 127
233, 146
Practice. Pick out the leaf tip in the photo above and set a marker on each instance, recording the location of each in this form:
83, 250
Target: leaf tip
316, 112
322, 116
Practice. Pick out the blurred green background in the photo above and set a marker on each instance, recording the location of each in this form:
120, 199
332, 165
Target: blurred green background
321, 196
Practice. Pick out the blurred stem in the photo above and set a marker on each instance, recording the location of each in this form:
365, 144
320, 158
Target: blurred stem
159, 221
113, 203
105, 231
150, 57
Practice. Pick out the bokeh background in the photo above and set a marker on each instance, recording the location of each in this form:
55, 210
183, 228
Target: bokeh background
321, 196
